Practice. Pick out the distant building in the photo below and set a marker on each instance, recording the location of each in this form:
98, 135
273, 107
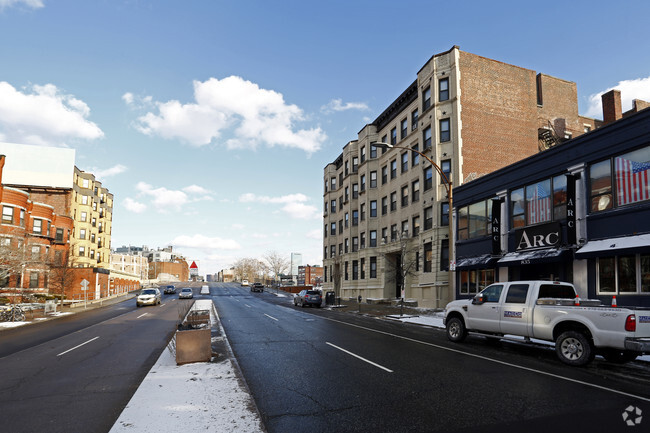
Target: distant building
310, 275
296, 260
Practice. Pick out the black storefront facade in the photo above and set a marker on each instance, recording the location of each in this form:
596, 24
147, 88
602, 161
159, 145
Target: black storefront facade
578, 212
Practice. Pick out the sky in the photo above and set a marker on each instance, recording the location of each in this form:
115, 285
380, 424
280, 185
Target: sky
211, 121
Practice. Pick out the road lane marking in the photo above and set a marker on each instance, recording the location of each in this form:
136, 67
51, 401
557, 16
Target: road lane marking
485, 358
142, 315
248, 305
270, 317
76, 347
359, 357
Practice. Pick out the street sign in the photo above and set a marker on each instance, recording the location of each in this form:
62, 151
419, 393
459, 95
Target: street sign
84, 284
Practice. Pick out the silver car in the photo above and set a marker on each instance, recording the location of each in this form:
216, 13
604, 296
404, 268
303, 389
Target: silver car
186, 293
148, 297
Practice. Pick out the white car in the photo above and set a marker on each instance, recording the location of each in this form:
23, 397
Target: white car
186, 293
148, 297
244, 283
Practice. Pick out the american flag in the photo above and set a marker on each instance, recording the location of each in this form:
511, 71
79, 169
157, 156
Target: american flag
539, 205
632, 181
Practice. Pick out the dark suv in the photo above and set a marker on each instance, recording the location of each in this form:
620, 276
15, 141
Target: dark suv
169, 289
308, 297
257, 287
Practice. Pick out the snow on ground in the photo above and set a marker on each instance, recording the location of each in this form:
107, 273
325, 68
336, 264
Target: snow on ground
201, 396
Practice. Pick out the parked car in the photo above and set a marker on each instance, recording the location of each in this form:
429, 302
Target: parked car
308, 297
552, 311
169, 289
186, 293
148, 297
257, 287
244, 283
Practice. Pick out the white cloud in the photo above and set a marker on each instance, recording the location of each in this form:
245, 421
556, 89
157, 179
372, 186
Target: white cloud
163, 198
315, 234
108, 172
238, 226
338, 105
294, 205
34, 4
195, 189
134, 206
249, 115
301, 211
204, 242
630, 89
250, 197
44, 115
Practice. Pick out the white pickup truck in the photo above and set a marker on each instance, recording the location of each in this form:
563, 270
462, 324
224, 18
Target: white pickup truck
546, 310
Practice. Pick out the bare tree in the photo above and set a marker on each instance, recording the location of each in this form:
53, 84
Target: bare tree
402, 263
61, 273
12, 258
277, 264
247, 268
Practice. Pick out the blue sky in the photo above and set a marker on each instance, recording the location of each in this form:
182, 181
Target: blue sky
211, 121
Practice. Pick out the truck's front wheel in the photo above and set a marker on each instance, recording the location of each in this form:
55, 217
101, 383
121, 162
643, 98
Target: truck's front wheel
456, 331
574, 348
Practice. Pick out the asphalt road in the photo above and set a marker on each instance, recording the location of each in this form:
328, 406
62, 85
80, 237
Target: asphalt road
314, 370
76, 374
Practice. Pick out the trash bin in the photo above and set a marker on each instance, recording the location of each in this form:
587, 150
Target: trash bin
329, 298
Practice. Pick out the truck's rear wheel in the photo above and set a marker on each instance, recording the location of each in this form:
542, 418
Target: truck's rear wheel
456, 331
574, 348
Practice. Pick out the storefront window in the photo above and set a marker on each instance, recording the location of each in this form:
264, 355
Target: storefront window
606, 274
626, 274
486, 277
517, 209
463, 226
645, 273
600, 181
477, 220
538, 202
631, 172
559, 197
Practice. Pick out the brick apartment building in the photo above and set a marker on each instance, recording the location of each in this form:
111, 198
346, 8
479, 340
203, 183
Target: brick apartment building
386, 212
310, 275
48, 175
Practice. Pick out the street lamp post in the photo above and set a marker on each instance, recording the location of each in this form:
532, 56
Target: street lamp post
448, 188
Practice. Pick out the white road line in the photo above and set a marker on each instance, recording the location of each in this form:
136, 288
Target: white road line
359, 357
76, 347
248, 305
142, 315
532, 370
270, 317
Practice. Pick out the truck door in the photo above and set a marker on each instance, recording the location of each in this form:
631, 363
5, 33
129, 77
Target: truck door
514, 317
485, 316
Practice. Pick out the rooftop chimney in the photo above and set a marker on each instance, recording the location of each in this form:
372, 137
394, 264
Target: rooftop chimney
612, 110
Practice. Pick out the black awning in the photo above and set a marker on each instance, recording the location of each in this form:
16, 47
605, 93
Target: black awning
476, 262
546, 255
615, 246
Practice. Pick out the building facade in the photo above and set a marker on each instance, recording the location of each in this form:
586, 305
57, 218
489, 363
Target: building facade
386, 212
310, 275
579, 212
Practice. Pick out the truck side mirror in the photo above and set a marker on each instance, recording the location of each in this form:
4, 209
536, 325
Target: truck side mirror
478, 299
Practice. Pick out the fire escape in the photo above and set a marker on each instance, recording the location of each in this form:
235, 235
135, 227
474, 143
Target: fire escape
547, 136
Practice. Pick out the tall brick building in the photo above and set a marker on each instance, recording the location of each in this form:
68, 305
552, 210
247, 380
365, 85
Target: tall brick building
386, 212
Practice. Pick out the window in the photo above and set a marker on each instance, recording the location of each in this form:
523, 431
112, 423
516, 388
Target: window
405, 228
384, 234
7, 214
37, 226
631, 174
538, 202
347, 245
428, 218
82, 234
332, 184
363, 153
393, 201
415, 156
347, 167
363, 211
333, 206
347, 220
84, 199
629, 274
346, 194
415, 191
559, 197
517, 208
347, 276
384, 205
443, 89
340, 226
405, 196
355, 217
445, 167
445, 134
373, 179
393, 136
426, 98
33, 280
474, 221
355, 269
84, 216
393, 169
36, 252
416, 225
355, 164
373, 238
333, 229
363, 182
373, 152
428, 257
363, 268
405, 162
426, 137
444, 214
84, 183
414, 120
428, 178
59, 235
393, 232
403, 128
82, 251
22, 218
373, 267
373, 208
355, 190
517, 294
444, 255
362, 239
